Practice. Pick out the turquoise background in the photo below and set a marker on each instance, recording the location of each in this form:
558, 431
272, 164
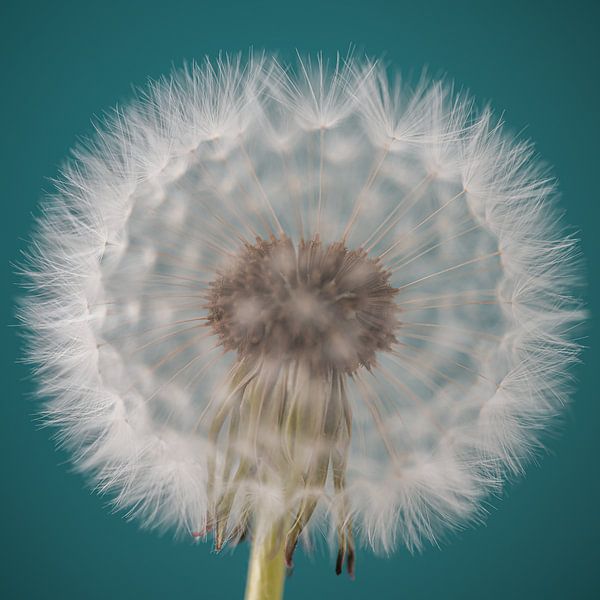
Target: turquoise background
62, 62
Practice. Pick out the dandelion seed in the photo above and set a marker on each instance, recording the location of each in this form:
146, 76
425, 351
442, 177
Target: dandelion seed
269, 302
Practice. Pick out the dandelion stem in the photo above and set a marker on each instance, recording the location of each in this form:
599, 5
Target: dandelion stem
266, 570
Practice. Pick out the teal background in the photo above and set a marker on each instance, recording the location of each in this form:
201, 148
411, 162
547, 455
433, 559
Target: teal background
62, 62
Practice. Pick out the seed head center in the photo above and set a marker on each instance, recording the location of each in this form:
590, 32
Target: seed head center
324, 304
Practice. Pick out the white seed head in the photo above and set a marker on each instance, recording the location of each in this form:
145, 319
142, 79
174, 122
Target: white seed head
306, 295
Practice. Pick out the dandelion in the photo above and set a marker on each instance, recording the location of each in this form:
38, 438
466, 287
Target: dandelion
274, 302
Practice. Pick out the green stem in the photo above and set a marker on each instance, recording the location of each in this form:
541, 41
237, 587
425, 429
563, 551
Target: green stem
266, 570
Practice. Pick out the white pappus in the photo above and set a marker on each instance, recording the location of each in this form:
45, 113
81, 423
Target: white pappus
305, 295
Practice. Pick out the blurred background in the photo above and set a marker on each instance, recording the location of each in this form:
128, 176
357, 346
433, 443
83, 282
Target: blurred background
62, 62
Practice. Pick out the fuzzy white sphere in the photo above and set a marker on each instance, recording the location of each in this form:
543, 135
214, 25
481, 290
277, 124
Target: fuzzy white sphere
223, 161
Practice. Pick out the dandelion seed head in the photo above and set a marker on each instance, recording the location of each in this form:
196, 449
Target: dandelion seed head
311, 294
